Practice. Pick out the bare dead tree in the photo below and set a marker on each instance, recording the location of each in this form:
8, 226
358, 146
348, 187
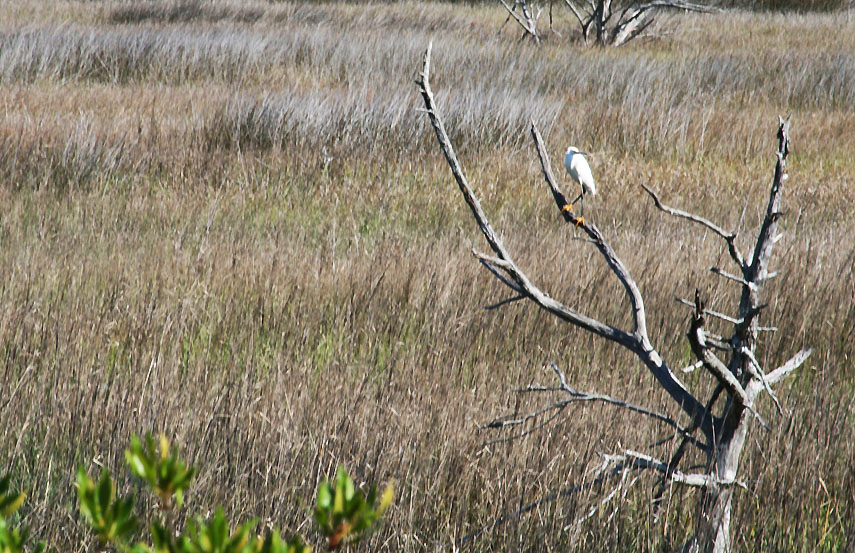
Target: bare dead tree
616, 22
717, 427
527, 18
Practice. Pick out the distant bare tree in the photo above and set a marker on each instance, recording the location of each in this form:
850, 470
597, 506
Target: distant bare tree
616, 22
716, 427
529, 14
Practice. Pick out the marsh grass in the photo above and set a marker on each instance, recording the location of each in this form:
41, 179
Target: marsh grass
229, 222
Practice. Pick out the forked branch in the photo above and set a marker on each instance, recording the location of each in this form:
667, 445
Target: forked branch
697, 339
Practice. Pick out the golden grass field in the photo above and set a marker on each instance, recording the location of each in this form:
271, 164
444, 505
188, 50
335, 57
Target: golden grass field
230, 223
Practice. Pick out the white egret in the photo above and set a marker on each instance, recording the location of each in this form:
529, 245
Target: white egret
580, 172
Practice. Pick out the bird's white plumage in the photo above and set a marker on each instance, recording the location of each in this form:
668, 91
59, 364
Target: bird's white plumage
579, 170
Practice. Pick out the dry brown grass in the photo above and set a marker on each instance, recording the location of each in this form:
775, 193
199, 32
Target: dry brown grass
177, 256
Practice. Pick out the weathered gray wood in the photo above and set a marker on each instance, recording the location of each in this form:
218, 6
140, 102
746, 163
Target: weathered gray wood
713, 529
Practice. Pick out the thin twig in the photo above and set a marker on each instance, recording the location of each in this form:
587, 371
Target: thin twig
709, 312
585, 396
733, 277
505, 301
729, 237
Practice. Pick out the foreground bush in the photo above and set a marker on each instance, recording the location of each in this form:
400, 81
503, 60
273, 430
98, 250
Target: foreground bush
343, 514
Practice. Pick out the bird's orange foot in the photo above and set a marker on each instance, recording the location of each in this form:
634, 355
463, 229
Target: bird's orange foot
568, 208
580, 221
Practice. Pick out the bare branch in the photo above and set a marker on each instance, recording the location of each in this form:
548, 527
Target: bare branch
585, 396
693, 367
624, 32
729, 237
502, 423
716, 367
681, 449
757, 372
768, 235
697, 340
546, 168
576, 13
493, 269
749, 313
710, 312
769, 276
732, 277
611, 258
788, 367
640, 460
528, 25
674, 4
554, 306
445, 145
504, 302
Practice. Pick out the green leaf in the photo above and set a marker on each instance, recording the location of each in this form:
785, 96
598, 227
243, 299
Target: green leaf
345, 482
387, 498
164, 447
105, 490
11, 503
338, 500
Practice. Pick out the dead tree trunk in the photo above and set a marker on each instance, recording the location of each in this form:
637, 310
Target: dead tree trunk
722, 421
713, 532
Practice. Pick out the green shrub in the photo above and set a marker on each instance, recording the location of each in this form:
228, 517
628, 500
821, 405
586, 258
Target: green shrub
343, 514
